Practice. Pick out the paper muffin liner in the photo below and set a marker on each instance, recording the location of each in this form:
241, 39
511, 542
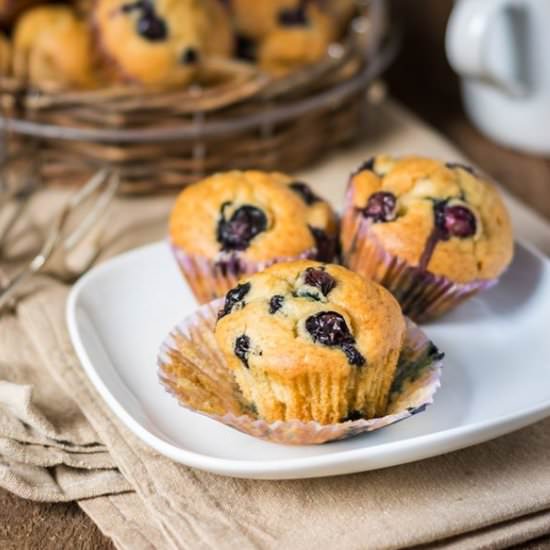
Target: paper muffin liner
192, 368
423, 296
210, 279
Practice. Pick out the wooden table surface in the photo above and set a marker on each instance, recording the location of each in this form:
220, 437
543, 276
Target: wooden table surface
422, 80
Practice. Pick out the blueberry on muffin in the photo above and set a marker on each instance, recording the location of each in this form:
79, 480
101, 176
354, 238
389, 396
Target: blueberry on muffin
311, 341
236, 222
433, 233
291, 33
161, 43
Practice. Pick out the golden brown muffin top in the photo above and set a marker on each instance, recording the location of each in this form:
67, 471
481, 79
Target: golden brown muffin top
443, 217
52, 45
162, 43
257, 215
256, 19
306, 315
291, 33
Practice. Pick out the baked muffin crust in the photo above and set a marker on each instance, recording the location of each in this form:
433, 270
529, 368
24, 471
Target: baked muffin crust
445, 218
253, 214
291, 33
161, 43
311, 341
52, 45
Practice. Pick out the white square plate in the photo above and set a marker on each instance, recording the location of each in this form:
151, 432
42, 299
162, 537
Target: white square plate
496, 375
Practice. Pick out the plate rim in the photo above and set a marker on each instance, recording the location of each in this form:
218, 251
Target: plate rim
335, 463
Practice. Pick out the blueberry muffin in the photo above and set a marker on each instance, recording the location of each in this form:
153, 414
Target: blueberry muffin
241, 222
161, 43
321, 220
433, 233
312, 342
291, 33
52, 46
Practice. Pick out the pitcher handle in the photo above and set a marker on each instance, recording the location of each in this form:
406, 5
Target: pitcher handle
468, 45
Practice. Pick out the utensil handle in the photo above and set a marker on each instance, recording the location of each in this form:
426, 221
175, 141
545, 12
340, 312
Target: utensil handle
469, 47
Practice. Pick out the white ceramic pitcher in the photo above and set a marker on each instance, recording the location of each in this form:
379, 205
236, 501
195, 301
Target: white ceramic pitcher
501, 49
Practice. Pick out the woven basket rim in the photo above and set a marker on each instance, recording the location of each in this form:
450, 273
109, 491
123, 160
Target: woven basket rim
214, 128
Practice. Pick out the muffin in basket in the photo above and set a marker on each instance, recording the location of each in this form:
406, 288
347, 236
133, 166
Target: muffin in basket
311, 341
291, 33
236, 222
53, 46
432, 233
162, 43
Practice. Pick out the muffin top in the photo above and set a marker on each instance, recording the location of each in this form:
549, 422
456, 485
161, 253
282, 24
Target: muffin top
445, 218
52, 45
257, 19
291, 33
311, 316
257, 215
161, 43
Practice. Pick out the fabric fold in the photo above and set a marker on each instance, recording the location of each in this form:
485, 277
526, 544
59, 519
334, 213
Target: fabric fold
48, 456
125, 519
59, 483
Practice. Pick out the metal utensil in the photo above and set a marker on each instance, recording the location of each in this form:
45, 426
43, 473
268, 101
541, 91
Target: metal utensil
19, 194
96, 195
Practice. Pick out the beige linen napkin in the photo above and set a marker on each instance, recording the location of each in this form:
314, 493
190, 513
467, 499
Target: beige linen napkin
55, 432
48, 450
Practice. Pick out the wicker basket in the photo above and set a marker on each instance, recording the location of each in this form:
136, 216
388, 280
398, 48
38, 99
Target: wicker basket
239, 118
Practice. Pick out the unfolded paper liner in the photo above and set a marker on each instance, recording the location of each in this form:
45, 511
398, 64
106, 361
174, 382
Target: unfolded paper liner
423, 295
192, 368
212, 278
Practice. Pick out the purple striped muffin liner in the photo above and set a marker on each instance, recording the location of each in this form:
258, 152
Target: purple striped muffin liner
423, 295
193, 370
210, 279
